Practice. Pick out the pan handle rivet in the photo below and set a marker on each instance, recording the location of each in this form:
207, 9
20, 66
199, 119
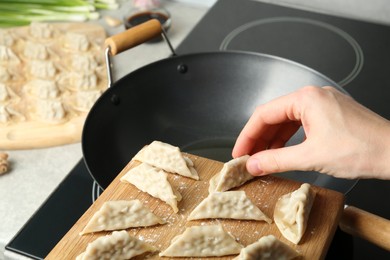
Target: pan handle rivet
115, 100
182, 68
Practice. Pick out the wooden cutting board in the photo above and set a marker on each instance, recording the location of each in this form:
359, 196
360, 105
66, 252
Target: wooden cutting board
263, 191
50, 76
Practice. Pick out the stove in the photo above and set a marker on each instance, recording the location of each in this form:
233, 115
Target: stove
353, 53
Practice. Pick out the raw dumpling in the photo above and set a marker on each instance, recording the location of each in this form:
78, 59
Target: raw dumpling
229, 204
79, 81
35, 51
267, 247
233, 174
153, 181
84, 81
4, 74
50, 110
4, 95
7, 112
4, 114
41, 30
7, 55
168, 158
292, 212
43, 69
42, 88
6, 38
203, 241
117, 246
84, 63
121, 214
76, 41
86, 99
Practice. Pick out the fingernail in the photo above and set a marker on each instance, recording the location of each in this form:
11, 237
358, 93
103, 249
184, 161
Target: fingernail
253, 166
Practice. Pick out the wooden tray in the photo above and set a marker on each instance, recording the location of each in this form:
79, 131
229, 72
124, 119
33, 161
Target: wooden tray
263, 191
24, 125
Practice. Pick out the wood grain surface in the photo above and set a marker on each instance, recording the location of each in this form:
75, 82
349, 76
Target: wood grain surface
263, 191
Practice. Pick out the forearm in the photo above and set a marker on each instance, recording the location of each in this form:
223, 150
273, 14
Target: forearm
380, 157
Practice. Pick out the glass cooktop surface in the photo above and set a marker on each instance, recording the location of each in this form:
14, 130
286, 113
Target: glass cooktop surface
353, 53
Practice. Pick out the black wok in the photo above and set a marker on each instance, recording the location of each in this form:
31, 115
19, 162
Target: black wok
198, 102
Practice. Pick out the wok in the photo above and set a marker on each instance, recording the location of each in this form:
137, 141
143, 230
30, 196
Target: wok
200, 102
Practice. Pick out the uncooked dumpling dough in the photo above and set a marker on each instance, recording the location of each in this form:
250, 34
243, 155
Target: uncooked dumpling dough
232, 174
292, 212
229, 204
153, 181
203, 241
167, 157
116, 246
41, 30
35, 51
267, 248
121, 214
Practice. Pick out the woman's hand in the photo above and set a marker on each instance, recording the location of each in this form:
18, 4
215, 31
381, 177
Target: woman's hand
343, 138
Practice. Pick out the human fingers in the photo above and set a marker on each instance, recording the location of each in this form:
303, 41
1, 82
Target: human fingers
280, 160
279, 136
344, 139
262, 126
283, 135
247, 144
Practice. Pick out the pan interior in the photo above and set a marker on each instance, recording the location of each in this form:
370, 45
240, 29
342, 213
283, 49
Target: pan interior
198, 102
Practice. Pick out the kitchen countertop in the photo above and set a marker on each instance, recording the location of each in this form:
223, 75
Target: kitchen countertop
36, 173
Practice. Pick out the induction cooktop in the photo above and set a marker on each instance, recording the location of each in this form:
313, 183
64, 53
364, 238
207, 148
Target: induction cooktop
353, 53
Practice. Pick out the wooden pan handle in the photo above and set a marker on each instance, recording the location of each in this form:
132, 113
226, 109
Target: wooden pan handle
133, 36
365, 225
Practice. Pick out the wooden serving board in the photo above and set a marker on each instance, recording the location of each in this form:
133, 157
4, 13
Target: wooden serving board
46, 94
263, 191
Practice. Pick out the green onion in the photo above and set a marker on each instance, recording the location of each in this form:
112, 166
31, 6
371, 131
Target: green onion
23, 12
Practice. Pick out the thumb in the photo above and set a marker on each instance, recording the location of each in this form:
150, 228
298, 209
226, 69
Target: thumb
279, 160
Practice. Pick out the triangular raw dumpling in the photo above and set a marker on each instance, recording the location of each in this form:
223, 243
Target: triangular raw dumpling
121, 214
203, 241
232, 174
267, 247
167, 157
292, 211
153, 181
228, 204
116, 246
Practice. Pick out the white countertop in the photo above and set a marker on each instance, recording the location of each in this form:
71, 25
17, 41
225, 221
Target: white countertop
36, 173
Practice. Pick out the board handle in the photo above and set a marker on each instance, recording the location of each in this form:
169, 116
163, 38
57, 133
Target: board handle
367, 226
133, 36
